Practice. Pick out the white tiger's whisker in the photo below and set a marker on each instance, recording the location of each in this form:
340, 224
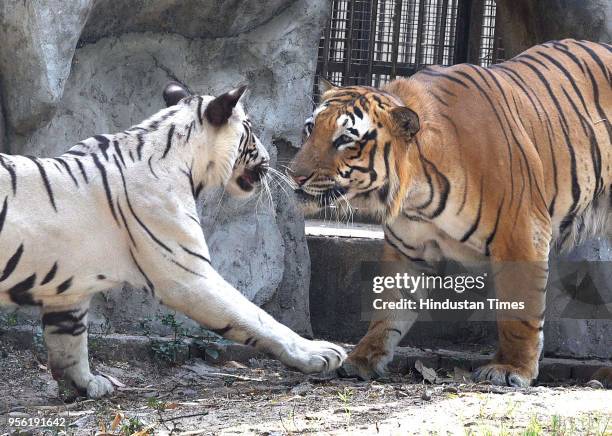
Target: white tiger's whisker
280, 175
279, 182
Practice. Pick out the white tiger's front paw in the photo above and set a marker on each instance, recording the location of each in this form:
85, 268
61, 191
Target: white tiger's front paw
90, 386
314, 356
99, 386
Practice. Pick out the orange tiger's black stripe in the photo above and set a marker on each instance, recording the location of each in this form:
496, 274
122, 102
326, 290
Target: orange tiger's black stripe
507, 164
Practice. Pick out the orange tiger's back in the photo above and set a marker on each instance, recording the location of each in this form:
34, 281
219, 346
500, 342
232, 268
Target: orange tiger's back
554, 99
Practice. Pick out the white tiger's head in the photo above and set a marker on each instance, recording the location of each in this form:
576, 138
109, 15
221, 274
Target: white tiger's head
235, 158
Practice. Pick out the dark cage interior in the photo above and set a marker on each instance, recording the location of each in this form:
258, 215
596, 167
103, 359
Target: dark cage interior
370, 42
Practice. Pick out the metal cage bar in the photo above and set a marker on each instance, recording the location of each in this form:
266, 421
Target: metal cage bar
371, 42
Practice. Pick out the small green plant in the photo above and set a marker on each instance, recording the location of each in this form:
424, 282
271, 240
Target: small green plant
291, 419
156, 404
93, 344
595, 424
346, 396
556, 425
131, 426
168, 351
203, 340
169, 320
10, 319
504, 432
534, 428
511, 407
58, 430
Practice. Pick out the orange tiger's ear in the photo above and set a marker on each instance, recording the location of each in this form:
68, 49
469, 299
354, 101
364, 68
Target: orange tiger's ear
325, 85
406, 121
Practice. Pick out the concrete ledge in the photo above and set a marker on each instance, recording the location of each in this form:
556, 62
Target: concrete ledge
335, 301
337, 253
348, 230
137, 349
134, 348
552, 370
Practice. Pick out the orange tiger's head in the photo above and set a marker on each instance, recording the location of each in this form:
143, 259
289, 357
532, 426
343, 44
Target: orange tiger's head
353, 149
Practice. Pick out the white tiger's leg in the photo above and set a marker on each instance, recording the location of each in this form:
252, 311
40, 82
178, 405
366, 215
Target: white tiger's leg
65, 331
219, 306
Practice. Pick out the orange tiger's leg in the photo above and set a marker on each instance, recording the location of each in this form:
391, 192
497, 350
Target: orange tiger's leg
520, 265
375, 350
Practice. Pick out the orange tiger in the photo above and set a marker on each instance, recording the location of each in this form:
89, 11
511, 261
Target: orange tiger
505, 164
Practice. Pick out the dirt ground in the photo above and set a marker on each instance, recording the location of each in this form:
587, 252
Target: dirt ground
263, 398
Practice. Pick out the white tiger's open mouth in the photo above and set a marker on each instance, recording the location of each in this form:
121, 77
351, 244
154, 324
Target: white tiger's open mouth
250, 177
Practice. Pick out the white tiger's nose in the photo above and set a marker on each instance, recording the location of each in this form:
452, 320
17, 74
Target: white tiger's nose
260, 170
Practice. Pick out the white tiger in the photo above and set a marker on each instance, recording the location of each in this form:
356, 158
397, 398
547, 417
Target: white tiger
120, 209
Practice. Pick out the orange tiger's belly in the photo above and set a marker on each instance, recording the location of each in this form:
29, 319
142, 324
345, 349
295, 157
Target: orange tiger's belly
425, 241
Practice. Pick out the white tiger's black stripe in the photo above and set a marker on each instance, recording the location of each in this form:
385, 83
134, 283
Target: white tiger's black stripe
121, 208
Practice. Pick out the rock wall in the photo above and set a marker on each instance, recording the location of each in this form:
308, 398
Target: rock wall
38, 41
92, 68
528, 22
579, 306
3, 148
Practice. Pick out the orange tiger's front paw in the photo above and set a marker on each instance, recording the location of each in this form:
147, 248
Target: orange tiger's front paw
364, 368
503, 375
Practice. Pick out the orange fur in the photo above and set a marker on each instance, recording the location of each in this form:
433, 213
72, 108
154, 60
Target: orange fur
508, 164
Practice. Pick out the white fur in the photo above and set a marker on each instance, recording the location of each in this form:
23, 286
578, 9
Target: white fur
85, 240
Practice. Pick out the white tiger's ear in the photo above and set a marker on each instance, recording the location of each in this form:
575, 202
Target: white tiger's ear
174, 92
325, 85
220, 109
